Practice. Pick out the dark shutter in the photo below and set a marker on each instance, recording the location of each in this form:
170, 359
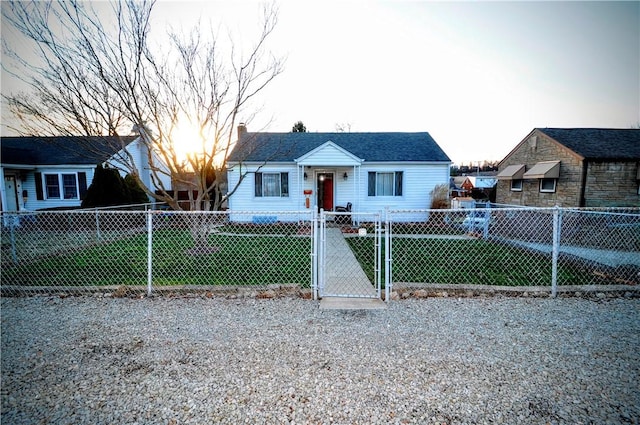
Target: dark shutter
398, 188
82, 184
39, 195
372, 183
258, 185
284, 184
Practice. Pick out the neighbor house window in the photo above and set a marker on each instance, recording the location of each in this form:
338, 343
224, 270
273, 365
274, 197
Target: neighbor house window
385, 183
68, 182
548, 185
61, 185
272, 185
516, 185
52, 184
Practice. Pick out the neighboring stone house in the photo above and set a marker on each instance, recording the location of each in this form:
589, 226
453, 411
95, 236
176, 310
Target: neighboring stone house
572, 167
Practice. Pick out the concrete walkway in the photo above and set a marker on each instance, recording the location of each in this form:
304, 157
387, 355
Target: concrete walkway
607, 257
346, 284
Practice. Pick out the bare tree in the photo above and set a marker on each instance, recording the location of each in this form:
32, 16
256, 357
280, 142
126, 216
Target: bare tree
100, 74
344, 127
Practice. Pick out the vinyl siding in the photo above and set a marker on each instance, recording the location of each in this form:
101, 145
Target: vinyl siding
244, 198
418, 181
30, 186
138, 152
329, 154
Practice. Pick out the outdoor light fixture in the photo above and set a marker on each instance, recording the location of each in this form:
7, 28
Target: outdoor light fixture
305, 176
345, 175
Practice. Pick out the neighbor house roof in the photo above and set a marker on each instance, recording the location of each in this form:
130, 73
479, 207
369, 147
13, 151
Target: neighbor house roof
372, 147
63, 150
598, 143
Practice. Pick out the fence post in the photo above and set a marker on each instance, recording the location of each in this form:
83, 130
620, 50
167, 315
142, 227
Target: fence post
387, 256
149, 251
557, 223
321, 251
314, 254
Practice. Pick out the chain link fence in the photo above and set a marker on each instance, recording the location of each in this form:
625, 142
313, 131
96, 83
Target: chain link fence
351, 262
525, 250
129, 253
135, 253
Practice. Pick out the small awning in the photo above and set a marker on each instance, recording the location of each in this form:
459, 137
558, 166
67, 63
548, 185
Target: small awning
544, 170
511, 172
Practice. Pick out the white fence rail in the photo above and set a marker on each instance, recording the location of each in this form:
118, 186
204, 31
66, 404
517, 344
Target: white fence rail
137, 253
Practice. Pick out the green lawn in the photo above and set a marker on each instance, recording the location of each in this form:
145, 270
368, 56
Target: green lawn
282, 256
226, 260
472, 261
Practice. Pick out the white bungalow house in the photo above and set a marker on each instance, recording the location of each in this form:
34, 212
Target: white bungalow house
55, 172
370, 171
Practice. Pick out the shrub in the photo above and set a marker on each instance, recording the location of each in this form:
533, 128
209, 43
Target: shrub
108, 188
440, 197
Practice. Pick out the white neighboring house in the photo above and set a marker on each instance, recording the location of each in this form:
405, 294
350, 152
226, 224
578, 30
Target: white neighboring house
370, 171
55, 172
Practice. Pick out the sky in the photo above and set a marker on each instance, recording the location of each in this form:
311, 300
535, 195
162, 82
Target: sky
478, 76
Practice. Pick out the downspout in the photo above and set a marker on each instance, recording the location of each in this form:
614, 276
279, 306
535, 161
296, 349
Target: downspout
583, 183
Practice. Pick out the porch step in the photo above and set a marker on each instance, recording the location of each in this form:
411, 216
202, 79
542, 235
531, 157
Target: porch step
343, 303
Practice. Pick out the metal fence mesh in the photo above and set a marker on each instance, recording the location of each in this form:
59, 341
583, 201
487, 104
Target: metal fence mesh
571, 249
604, 244
129, 253
351, 255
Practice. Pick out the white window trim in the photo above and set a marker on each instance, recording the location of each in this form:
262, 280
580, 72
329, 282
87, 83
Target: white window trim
555, 184
45, 187
516, 189
394, 194
281, 194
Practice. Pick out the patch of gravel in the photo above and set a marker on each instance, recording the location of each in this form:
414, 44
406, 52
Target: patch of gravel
438, 360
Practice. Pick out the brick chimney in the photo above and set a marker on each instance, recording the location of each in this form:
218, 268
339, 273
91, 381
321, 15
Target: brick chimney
242, 130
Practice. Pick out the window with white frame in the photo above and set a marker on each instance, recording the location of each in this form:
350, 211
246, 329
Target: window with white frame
61, 186
548, 185
385, 183
52, 186
516, 185
274, 185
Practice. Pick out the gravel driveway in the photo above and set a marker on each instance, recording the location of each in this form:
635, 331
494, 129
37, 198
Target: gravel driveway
202, 361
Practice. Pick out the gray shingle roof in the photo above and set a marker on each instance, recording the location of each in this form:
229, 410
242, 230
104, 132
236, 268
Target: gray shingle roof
63, 150
599, 143
372, 147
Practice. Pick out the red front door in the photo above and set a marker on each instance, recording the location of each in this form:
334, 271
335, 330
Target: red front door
325, 191
327, 197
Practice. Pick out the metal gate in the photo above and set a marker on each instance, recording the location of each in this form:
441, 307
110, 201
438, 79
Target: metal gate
349, 253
